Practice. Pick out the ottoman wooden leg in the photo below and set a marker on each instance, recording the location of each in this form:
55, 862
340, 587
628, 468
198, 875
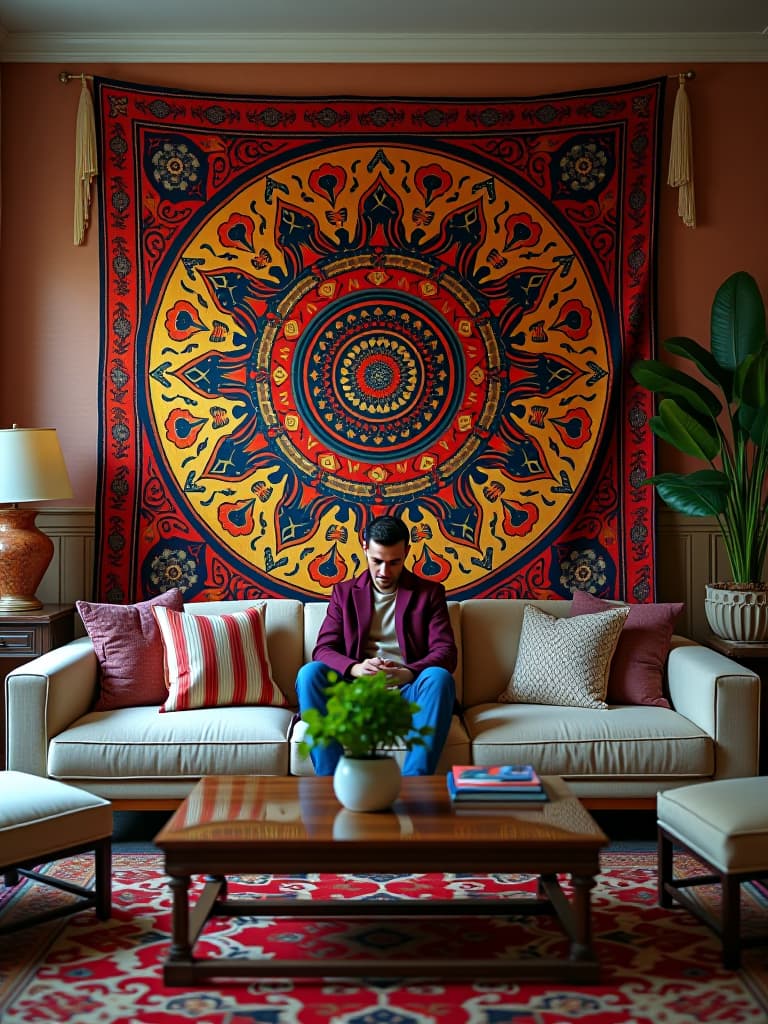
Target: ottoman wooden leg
664, 868
103, 880
731, 928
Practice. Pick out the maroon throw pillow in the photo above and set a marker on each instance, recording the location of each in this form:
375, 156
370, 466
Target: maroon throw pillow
129, 649
637, 668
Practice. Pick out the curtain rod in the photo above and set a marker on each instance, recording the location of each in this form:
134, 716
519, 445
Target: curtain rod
67, 76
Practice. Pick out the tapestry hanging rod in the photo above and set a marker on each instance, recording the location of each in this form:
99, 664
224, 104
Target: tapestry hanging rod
67, 76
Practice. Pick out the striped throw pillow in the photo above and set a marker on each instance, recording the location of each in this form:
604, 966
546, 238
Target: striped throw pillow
216, 660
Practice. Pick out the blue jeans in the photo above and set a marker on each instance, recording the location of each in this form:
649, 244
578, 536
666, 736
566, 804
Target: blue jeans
433, 690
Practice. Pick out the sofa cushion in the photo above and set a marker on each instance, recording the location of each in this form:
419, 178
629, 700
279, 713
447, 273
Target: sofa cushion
637, 668
639, 745
564, 661
133, 744
216, 660
129, 650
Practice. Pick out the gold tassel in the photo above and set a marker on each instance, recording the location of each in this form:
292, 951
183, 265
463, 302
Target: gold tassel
681, 156
86, 161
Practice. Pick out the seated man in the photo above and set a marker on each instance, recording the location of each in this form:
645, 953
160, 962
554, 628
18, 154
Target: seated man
388, 619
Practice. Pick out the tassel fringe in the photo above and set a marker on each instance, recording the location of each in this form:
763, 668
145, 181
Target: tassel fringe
86, 161
681, 156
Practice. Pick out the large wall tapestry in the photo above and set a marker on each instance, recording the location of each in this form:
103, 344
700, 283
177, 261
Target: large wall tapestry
318, 310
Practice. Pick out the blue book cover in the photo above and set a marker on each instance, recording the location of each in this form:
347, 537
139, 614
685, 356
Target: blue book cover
535, 795
509, 777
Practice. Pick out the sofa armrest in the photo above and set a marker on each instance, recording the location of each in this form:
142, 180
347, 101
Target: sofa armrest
42, 698
722, 698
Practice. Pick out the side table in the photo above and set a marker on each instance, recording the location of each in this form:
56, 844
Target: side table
753, 656
24, 636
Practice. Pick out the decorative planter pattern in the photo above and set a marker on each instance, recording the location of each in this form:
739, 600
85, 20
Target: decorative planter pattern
737, 614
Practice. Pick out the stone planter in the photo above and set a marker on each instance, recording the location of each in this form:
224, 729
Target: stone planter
737, 612
367, 783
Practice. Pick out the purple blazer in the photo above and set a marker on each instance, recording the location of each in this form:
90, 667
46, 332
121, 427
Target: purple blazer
421, 619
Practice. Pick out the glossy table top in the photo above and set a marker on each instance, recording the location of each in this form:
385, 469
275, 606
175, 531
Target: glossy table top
244, 822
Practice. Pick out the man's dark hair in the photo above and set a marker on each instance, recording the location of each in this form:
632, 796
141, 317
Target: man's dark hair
386, 530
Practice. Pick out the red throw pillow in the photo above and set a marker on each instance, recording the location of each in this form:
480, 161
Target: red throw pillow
637, 669
129, 649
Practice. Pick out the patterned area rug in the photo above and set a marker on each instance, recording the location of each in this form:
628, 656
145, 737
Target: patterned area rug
657, 965
315, 310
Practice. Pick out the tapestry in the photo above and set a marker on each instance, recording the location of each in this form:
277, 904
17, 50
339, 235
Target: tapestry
657, 965
319, 310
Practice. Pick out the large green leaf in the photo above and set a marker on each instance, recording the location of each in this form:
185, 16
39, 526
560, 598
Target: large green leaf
666, 380
704, 360
755, 423
737, 321
685, 432
704, 493
752, 379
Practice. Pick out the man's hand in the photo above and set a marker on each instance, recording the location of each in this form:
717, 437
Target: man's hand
398, 674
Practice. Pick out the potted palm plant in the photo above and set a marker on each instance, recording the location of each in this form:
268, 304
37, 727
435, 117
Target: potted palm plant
365, 716
722, 420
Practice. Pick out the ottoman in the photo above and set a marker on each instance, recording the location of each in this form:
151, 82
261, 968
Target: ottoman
42, 820
724, 824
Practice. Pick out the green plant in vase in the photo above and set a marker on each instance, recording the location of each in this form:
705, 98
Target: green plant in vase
722, 421
365, 716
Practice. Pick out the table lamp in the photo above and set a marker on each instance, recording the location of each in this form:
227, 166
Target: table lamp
31, 469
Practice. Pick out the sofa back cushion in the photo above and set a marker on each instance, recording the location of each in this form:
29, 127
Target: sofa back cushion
490, 633
284, 624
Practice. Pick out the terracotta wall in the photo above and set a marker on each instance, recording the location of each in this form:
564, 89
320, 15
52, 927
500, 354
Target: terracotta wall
49, 289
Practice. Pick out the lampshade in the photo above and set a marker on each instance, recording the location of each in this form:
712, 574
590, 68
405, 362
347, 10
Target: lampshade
31, 469
31, 466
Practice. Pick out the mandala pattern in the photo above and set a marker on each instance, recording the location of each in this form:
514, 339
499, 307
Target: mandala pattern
315, 312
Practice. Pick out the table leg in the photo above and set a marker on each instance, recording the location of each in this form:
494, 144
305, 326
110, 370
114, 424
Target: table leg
581, 940
222, 883
181, 947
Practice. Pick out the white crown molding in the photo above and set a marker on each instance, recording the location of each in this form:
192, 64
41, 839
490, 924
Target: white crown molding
315, 48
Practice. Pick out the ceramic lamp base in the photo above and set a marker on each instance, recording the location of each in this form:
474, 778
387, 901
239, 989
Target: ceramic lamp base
25, 554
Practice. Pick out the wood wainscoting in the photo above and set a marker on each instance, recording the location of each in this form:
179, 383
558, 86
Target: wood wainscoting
689, 555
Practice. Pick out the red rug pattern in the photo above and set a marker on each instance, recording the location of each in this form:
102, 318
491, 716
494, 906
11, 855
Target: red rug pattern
658, 965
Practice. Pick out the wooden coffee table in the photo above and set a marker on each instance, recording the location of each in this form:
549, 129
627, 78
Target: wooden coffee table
263, 825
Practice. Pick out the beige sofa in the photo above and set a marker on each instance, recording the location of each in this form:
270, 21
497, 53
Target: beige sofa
619, 757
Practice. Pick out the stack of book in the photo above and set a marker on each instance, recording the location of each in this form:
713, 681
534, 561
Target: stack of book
495, 786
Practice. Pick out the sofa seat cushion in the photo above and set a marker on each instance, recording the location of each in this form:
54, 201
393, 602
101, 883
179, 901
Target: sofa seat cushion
620, 741
138, 743
455, 751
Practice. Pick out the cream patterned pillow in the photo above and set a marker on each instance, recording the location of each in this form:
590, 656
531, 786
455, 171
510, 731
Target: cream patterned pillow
564, 661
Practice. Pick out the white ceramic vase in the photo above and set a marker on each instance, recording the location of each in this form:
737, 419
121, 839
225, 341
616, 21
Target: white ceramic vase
737, 614
367, 783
